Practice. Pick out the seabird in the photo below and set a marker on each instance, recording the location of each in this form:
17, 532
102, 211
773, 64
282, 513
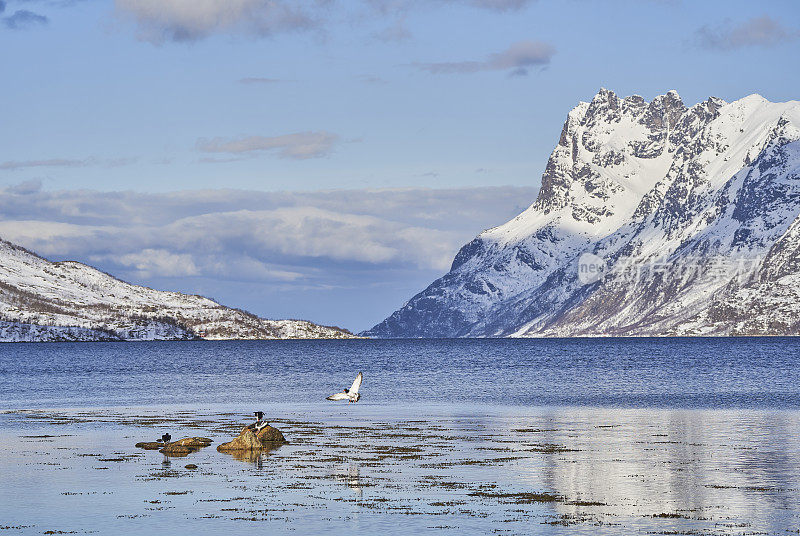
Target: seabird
351, 395
165, 439
258, 425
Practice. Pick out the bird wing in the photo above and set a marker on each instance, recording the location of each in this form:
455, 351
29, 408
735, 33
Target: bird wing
356, 384
338, 396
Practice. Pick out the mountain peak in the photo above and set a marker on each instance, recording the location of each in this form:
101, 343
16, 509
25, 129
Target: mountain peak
605, 96
604, 93
671, 99
630, 180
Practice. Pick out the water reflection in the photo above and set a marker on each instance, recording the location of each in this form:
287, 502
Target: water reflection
683, 468
254, 457
352, 477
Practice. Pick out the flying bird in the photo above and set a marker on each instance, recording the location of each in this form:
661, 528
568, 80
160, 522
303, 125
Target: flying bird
351, 395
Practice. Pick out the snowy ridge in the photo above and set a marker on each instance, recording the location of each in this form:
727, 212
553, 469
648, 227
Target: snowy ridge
691, 211
50, 301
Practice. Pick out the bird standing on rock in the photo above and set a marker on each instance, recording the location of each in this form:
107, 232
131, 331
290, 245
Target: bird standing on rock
259, 425
351, 395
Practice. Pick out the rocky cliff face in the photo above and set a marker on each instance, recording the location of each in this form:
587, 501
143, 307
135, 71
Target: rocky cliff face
69, 301
652, 219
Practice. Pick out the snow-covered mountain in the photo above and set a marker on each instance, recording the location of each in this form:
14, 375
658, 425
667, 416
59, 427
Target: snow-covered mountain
69, 301
652, 219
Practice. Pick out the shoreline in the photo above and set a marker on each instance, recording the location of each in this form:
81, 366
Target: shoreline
444, 408
357, 337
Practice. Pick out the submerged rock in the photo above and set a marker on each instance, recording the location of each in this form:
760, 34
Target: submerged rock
249, 439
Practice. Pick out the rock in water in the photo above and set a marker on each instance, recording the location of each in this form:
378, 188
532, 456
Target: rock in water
271, 435
181, 447
150, 445
247, 440
185, 446
250, 440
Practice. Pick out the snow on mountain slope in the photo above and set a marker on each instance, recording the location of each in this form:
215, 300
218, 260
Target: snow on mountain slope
43, 300
677, 204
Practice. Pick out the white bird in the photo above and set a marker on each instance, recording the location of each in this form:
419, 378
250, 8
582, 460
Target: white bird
351, 395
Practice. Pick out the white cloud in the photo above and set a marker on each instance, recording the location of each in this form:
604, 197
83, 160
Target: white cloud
394, 6
293, 237
13, 165
501, 5
252, 80
516, 59
191, 20
23, 19
160, 21
159, 262
30, 186
761, 31
300, 145
303, 233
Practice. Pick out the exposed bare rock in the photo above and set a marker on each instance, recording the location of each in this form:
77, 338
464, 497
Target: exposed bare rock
249, 440
181, 447
150, 445
270, 434
185, 446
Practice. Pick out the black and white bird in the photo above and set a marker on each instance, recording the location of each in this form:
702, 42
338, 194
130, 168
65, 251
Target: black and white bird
351, 395
165, 438
260, 422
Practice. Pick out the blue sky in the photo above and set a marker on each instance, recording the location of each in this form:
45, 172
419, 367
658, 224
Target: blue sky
146, 102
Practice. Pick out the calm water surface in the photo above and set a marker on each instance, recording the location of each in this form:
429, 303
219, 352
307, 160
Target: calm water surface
589, 436
676, 373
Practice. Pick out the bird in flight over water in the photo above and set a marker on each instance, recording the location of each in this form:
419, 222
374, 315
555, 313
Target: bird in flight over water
351, 395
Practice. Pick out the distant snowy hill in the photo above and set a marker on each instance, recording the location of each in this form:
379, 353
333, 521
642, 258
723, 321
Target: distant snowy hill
69, 301
652, 219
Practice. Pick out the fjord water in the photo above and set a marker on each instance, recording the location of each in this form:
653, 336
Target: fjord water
571, 436
636, 373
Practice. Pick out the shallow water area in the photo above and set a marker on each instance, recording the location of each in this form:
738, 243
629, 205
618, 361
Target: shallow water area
442, 469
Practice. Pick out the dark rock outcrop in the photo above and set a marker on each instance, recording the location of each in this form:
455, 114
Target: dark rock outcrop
185, 446
150, 445
250, 440
181, 447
